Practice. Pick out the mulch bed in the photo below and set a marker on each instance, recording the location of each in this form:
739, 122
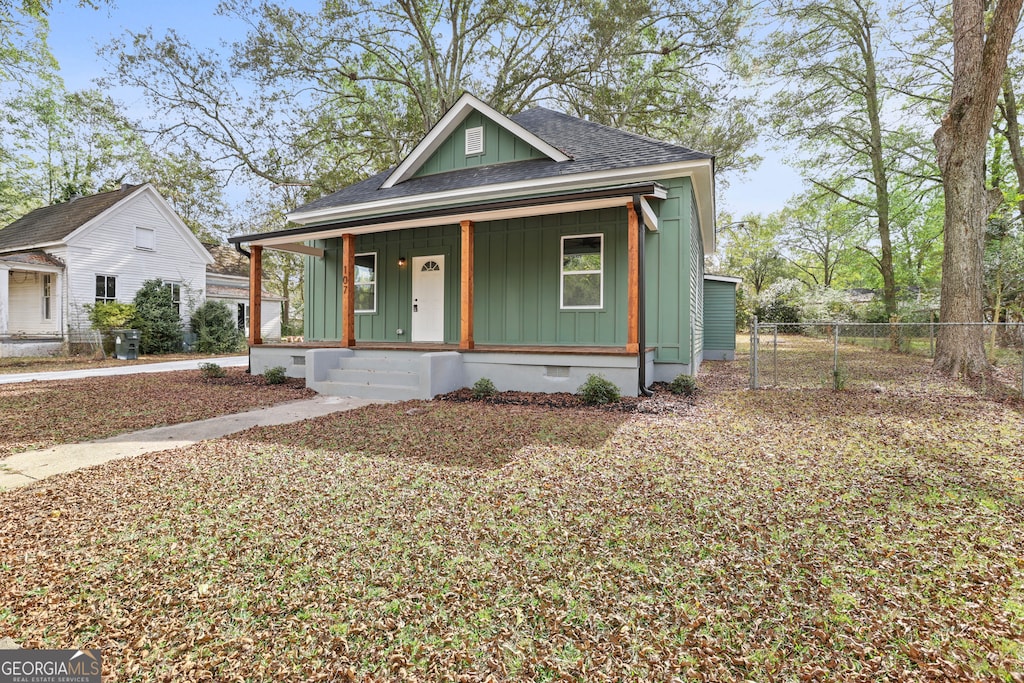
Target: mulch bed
662, 400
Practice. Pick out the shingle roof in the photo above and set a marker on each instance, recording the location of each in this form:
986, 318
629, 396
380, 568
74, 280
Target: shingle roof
227, 261
591, 146
54, 223
35, 258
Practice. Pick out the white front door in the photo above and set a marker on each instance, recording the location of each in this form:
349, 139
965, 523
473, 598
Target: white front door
428, 298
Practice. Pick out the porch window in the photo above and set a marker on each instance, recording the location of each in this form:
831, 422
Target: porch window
106, 288
582, 271
174, 290
366, 283
243, 318
47, 296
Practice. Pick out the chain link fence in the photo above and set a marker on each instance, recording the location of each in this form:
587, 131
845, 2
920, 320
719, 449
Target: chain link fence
841, 355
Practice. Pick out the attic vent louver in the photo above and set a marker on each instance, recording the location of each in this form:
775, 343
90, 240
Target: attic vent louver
474, 140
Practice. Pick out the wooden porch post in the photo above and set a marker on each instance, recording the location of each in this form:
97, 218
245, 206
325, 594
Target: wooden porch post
348, 290
256, 295
633, 283
466, 317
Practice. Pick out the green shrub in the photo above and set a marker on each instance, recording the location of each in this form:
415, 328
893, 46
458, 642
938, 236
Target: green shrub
157, 318
484, 388
212, 370
216, 328
109, 315
275, 375
597, 390
684, 384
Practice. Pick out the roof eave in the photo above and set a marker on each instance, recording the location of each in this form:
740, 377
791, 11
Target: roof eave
455, 213
481, 193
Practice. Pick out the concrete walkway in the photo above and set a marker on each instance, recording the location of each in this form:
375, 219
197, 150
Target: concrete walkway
24, 468
140, 368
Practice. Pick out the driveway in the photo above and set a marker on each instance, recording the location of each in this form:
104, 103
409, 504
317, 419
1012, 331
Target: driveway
170, 366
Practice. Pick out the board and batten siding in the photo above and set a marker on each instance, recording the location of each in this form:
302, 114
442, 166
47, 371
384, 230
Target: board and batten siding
500, 146
673, 262
108, 248
517, 294
322, 287
719, 319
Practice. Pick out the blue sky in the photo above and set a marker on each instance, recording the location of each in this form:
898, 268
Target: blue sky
76, 34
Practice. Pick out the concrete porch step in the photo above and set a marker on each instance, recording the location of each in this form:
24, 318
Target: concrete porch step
398, 363
380, 392
347, 375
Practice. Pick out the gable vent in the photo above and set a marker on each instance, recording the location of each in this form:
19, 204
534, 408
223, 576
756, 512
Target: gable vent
474, 140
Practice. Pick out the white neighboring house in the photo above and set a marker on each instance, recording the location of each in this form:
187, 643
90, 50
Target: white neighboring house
58, 258
227, 280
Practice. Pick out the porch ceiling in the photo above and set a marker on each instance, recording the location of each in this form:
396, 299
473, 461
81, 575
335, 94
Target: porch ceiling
289, 240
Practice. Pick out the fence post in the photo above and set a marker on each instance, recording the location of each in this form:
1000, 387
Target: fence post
775, 356
753, 353
931, 334
835, 358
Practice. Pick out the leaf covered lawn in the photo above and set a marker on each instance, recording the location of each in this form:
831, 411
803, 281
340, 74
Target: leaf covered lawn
43, 414
776, 535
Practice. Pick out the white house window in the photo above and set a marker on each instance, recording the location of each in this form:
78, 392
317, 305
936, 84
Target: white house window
243, 318
145, 238
174, 290
106, 288
474, 141
366, 283
47, 296
582, 271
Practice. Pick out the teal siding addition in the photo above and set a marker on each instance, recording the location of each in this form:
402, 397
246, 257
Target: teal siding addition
719, 315
500, 146
517, 293
394, 284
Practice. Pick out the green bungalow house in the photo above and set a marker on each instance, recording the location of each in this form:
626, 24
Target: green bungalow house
532, 250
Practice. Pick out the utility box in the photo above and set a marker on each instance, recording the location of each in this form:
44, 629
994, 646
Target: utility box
126, 344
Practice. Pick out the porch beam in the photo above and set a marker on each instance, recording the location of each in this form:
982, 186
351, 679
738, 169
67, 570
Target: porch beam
466, 314
633, 282
297, 248
256, 295
348, 290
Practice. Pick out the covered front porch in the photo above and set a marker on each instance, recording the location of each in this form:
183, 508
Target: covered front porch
31, 310
533, 294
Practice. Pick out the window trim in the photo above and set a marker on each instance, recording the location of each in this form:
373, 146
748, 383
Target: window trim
141, 230
243, 319
170, 285
47, 291
356, 283
106, 299
562, 274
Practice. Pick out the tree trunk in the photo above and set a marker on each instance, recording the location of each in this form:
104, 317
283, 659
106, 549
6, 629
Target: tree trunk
979, 63
960, 349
